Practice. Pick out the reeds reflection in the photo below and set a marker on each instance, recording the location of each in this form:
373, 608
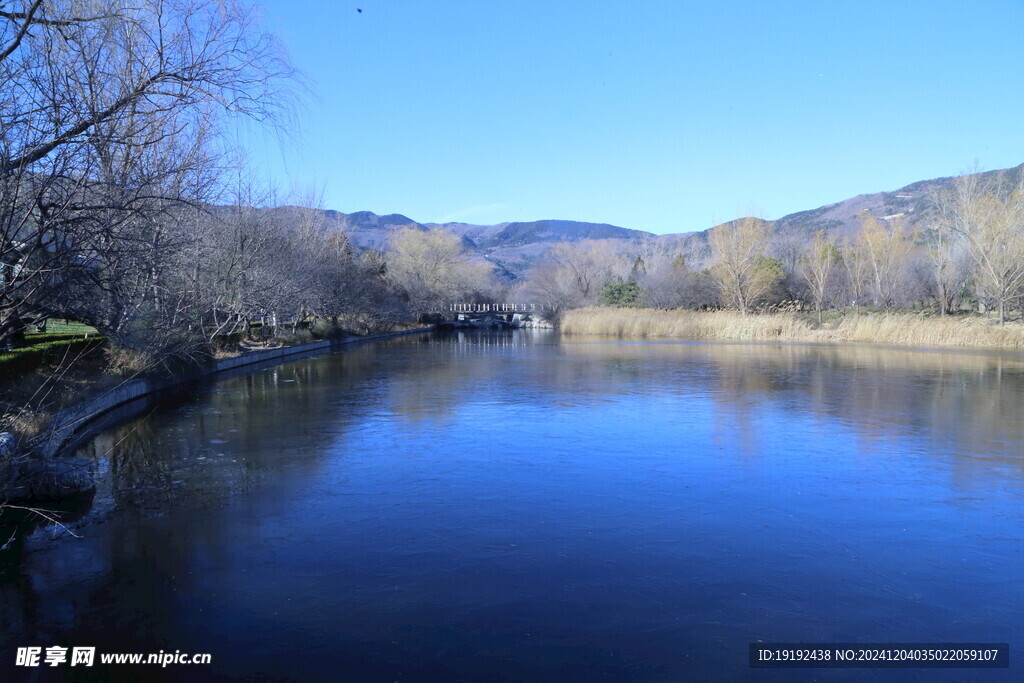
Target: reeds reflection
965, 406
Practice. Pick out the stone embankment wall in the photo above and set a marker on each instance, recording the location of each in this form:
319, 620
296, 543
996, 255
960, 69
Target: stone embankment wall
71, 421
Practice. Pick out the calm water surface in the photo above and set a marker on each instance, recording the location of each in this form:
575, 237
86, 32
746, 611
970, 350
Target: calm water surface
515, 507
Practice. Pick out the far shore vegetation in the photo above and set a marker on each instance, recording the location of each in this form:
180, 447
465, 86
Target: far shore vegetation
903, 329
948, 273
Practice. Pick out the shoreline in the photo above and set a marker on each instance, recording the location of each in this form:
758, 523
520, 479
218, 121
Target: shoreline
40, 467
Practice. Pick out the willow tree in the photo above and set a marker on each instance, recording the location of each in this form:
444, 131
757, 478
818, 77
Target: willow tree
743, 274
433, 268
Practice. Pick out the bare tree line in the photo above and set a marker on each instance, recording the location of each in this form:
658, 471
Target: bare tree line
110, 116
123, 206
966, 252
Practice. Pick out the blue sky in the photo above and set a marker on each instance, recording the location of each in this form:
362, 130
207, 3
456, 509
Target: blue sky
666, 116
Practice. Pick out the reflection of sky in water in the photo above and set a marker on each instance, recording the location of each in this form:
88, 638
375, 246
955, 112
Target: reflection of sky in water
635, 511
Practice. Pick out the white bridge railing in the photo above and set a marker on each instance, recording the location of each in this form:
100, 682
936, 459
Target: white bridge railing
492, 308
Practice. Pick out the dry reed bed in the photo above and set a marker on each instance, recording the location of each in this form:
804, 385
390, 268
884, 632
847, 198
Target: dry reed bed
905, 329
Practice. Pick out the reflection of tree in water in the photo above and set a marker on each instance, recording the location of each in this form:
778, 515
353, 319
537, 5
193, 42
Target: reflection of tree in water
17, 522
293, 416
232, 438
965, 404
136, 575
429, 381
20, 603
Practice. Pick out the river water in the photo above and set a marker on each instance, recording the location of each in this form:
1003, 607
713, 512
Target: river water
512, 506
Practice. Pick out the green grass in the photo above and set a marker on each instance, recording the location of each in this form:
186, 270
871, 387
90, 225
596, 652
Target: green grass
54, 326
62, 339
44, 337
46, 345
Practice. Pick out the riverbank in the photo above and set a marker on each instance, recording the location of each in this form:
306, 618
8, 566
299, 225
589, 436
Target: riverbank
902, 329
33, 470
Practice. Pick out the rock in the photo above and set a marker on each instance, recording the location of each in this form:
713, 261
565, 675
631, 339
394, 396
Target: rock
8, 445
11, 484
57, 477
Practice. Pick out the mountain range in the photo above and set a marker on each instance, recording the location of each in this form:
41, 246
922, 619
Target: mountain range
513, 248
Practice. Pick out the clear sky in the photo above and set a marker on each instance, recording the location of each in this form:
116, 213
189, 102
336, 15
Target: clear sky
666, 116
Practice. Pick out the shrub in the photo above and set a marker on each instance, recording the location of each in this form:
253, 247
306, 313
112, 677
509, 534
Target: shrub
127, 362
620, 294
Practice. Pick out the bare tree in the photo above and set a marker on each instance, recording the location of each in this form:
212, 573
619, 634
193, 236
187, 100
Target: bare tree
115, 59
819, 263
741, 270
573, 274
665, 281
886, 252
106, 115
857, 266
788, 248
948, 257
989, 219
551, 286
995, 232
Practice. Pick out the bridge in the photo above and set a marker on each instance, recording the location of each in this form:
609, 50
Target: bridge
492, 315
493, 308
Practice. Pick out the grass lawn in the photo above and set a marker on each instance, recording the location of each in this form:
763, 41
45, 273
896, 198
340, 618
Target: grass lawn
62, 338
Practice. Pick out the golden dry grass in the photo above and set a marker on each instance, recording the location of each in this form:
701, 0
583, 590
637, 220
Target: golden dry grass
904, 329
907, 329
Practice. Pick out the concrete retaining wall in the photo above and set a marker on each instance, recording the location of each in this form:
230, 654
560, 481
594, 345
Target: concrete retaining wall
69, 421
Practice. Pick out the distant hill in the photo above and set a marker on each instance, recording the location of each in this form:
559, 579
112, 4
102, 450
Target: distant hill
368, 230
910, 202
513, 248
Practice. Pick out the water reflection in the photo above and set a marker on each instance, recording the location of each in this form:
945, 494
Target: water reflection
508, 506
967, 405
